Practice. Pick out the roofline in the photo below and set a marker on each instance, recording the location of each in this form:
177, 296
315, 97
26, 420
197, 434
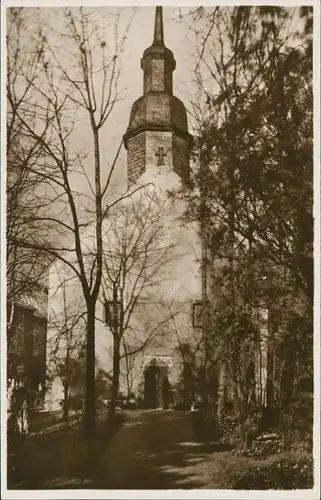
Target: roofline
157, 128
23, 305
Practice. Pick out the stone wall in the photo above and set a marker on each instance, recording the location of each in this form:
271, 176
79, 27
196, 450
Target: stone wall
142, 151
136, 157
157, 75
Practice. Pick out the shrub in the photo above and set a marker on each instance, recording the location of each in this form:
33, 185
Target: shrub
237, 434
294, 471
229, 428
266, 444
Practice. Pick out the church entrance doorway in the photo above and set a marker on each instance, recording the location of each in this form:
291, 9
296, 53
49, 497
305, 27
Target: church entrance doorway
156, 385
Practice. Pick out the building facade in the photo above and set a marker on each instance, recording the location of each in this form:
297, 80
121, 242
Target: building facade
26, 347
158, 146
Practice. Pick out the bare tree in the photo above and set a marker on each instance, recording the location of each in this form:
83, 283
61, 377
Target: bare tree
26, 268
134, 365
77, 75
67, 340
137, 251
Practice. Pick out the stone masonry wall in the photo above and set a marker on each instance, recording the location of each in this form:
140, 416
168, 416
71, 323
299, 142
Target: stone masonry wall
158, 75
136, 157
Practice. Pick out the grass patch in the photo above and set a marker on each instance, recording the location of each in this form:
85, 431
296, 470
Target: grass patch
224, 470
59, 457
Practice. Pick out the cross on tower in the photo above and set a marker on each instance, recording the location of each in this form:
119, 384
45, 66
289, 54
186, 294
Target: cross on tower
160, 156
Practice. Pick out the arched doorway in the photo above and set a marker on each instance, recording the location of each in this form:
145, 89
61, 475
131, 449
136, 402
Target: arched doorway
156, 385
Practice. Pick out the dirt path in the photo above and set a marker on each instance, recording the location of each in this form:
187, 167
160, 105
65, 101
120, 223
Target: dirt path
158, 450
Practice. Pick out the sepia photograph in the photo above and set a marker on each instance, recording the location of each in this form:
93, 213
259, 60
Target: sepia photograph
160, 287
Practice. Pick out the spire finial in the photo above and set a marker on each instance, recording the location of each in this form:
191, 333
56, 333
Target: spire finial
158, 29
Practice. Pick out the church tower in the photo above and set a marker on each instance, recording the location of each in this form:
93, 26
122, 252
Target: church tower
157, 134
160, 282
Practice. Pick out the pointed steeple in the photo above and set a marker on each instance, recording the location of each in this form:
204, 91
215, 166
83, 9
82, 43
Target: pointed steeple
158, 27
158, 61
157, 133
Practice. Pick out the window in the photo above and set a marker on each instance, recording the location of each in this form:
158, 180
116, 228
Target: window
34, 340
20, 328
197, 315
38, 336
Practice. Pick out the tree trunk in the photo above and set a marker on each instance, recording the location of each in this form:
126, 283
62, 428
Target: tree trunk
270, 370
128, 372
116, 372
90, 410
65, 415
221, 396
